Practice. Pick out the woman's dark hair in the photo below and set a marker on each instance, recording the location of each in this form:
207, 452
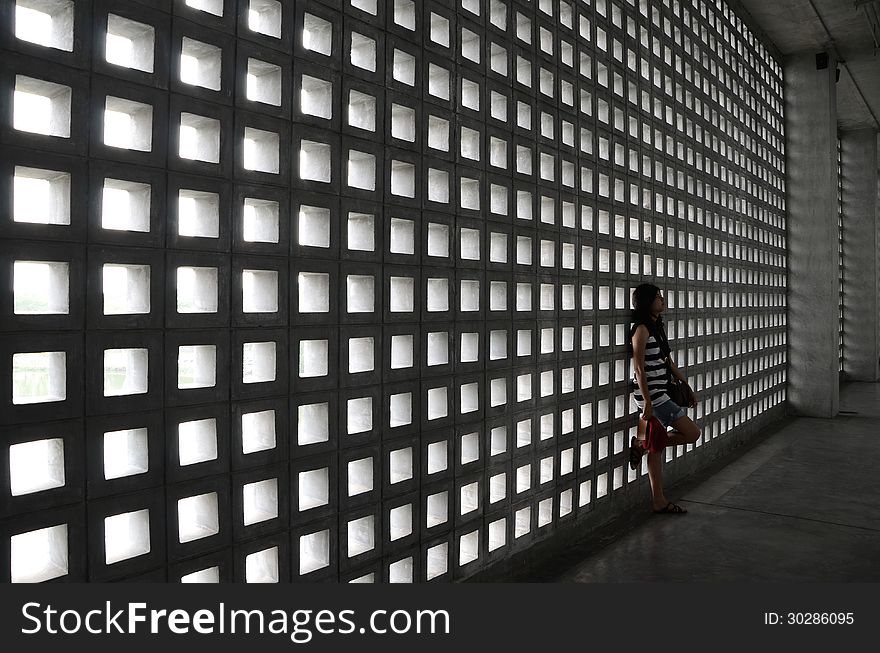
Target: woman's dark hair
642, 299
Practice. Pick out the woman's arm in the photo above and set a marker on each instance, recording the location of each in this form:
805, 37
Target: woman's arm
639, 341
675, 371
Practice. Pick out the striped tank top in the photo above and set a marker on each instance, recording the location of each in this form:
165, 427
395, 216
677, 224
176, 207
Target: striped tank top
655, 374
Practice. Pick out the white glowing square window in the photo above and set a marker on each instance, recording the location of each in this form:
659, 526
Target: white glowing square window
125, 205
196, 366
262, 566
45, 22
260, 501
257, 431
258, 362
313, 423
401, 462
199, 138
128, 124
361, 535
40, 196
36, 466
313, 358
265, 17
39, 377
126, 535
361, 170
362, 110
403, 67
437, 506
39, 555
360, 293
260, 221
469, 548
208, 575
197, 290
400, 519
316, 97
403, 179
402, 293
200, 64
402, 236
197, 441
261, 151
198, 214
314, 488
402, 348
314, 551
317, 35
403, 122
41, 288
214, 7
405, 14
129, 43
263, 82
314, 161
125, 372
400, 409
363, 52
126, 453
313, 226
197, 517
259, 291
360, 355
359, 415
41, 107
360, 476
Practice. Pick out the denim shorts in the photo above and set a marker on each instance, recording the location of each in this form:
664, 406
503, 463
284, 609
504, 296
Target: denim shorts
668, 412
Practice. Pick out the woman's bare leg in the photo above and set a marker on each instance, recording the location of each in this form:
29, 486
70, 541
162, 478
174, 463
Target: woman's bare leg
655, 475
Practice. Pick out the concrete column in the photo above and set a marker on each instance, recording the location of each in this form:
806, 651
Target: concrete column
811, 177
860, 241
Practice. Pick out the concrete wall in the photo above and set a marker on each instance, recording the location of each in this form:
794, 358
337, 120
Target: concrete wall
813, 286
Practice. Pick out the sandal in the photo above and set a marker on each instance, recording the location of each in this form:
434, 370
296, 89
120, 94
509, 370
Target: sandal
635, 453
671, 509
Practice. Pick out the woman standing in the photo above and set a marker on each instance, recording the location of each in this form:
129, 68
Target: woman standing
648, 341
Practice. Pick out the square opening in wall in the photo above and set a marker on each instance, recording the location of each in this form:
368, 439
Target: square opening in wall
39, 377
313, 358
361, 535
402, 290
405, 14
360, 293
437, 457
361, 232
359, 415
402, 236
214, 7
469, 548
438, 82
263, 82
125, 372
469, 295
197, 290
401, 465
259, 291
129, 43
314, 161
438, 348
41, 107
260, 501
126, 535
470, 398
126, 453
41, 196
316, 97
38, 556
262, 566
360, 476
437, 403
438, 240
469, 194
438, 133
200, 64
36, 466
196, 366
313, 226
260, 221
402, 348
438, 186
363, 52
258, 362
313, 423
264, 16
400, 522
403, 122
360, 355
404, 67
497, 487
317, 35
437, 506
361, 170
45, 22
497, 534
40, 288
498, 392
470, 447
198, 214
362, 110
470, 497
128, 125
199, 138
400, 409
261, 151
403, 179
314, 488
197, 517
125, 205
470, 95
258, 431
314, 551
197, 441
209, 575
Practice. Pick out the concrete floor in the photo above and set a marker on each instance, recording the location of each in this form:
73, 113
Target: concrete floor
802, 505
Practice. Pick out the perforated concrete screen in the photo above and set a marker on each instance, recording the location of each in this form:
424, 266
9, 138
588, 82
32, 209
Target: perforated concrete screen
340, 290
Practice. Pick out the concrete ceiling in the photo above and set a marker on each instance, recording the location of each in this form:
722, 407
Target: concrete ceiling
851, 28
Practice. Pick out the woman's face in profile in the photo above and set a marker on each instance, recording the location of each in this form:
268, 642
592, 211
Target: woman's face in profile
659, 304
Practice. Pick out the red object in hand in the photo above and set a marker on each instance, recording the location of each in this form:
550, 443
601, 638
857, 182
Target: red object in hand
656, 436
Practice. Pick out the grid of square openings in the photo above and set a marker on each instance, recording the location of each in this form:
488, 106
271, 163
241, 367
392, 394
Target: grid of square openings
339, 290
840, 263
